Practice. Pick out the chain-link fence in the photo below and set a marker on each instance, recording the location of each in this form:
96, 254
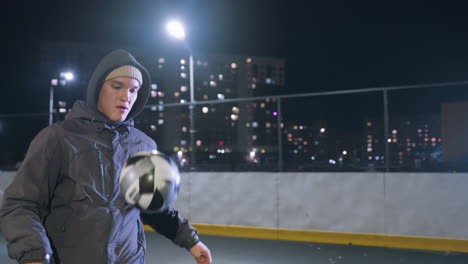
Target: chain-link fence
405, 128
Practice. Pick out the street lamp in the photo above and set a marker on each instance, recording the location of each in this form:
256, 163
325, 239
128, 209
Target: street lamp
176, 30
64, 77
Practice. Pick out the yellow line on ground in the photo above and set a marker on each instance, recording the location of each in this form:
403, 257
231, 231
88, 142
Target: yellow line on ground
377, 240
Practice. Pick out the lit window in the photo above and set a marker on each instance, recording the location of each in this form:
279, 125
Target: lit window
262, 105
183, 75
153, 127
153, 108
161, 60
345, 152
220, 96
248, 60
184, 129
234, 117
389, 140
322, 130
182, 67
161, 94
394, 132
183, 142
212, 83
370, 157
234, 65
205, 97
433, 139
211, 76
220, 77
254, 137
182, 61
295, 127
198, 143
176, 94
62, 110
154, 94
183, 88
254, 86
369, 124
154, 86
369, 149
394, 140
312, 158
254, 124
267, 124
62, 104
268, 80
160, 121
205, 109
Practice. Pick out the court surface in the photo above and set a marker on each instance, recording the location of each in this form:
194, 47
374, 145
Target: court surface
229, 250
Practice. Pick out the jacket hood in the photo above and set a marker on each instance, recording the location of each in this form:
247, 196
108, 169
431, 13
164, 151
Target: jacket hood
107, 64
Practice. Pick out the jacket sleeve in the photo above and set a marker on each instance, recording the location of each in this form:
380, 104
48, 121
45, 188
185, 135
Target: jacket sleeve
26, 201
170, 224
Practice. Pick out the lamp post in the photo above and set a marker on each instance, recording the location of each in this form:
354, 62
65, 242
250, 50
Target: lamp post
176, 30
64, 76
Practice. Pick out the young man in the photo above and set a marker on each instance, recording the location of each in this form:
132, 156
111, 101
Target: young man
64, 205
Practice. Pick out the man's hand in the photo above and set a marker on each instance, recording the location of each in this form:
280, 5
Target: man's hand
201, 253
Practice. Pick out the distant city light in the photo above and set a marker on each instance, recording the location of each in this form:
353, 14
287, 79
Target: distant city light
234, 117
394, 132
268, 80
235, 109
183, 75
154, 86
389, 140
221, 96
312, 158
62, 110
252, 154
212, 83
54, 82
153, 128
183, 88
275, 113
182, 61
198, 143
331, 161
234, 65
322, 130
345, 152
161, 60
248, 60
180, 154
205, 109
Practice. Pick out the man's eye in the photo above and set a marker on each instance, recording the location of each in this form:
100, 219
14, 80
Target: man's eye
133, 90
115, 86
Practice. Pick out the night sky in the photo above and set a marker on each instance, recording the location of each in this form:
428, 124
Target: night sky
328, 45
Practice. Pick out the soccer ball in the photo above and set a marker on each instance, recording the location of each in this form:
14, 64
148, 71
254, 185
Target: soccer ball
150, 180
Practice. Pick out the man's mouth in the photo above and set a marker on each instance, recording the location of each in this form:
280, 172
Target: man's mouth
122, 107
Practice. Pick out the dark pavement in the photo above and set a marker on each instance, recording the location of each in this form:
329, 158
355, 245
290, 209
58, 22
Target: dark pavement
229, 250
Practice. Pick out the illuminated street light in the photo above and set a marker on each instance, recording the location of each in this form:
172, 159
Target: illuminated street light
65, 76
176, 29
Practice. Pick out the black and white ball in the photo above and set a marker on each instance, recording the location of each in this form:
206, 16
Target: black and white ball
150, 180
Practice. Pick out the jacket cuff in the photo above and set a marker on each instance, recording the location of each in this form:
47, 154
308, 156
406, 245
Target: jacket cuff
187, 237
38, 255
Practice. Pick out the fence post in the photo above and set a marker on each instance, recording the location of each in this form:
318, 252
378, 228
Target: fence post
386, 130
280, 135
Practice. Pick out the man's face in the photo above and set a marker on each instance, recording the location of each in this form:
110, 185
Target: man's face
117, 97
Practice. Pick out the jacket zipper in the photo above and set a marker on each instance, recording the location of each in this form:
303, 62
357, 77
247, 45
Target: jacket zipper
101, 162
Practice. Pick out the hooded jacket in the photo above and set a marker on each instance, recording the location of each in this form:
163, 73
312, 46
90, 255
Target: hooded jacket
64, 204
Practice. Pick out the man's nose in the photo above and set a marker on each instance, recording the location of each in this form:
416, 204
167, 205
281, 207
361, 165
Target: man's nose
124, 96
